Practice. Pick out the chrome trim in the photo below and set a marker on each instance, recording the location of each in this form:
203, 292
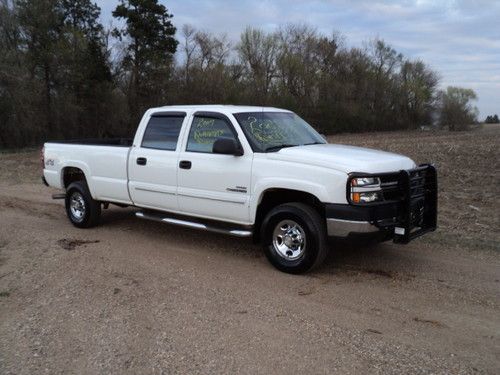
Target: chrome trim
153, 191
195, 225
390, 183
184, 223
77, 206
240, 233
366, 189
289, 240
211, 199
342, 228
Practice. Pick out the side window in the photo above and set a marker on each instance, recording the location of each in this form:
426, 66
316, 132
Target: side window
162, 132
204, 131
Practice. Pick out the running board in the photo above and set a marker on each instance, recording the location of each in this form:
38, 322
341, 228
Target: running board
191, 224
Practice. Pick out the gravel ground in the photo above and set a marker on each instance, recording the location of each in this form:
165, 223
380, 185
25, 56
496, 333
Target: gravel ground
136, 297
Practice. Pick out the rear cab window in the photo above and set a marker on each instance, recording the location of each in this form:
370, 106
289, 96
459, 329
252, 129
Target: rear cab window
162, 131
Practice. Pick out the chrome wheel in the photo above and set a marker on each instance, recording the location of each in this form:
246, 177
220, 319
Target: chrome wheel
77, 206
289, 240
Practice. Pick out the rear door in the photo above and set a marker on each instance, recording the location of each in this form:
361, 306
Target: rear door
153, 163
213, 185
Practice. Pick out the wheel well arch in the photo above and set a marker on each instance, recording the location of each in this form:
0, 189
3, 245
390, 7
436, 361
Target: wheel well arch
72, 174
273, 197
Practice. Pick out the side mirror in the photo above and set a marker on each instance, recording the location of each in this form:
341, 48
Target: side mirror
227, 146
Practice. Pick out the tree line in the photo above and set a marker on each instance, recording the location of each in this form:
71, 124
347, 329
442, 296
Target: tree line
492, 119
64, 75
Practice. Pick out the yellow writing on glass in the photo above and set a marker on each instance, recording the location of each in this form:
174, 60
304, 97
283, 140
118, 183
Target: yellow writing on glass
207, 136
265, 130
204, 122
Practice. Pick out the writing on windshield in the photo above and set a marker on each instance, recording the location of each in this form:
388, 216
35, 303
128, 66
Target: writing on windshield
269, 130
265, 130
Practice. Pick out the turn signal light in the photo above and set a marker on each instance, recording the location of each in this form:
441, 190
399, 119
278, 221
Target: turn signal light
365, 190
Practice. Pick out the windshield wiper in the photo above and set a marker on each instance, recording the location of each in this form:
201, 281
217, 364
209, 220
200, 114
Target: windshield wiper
278, 147
314, 143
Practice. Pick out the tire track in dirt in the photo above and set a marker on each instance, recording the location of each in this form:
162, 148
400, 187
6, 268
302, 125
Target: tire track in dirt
31, 207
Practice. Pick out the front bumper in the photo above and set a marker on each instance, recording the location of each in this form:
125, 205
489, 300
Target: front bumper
343, 220
345, 228
411, 213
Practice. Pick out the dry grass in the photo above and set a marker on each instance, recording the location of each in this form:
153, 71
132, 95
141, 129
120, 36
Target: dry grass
20, 167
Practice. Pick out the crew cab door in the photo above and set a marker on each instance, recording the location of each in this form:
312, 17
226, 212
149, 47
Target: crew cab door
153, 163
212, 185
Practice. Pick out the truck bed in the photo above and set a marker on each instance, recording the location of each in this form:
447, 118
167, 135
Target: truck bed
103, 161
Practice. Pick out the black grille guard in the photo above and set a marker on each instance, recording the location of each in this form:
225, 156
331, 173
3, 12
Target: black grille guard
418, 213
414, 193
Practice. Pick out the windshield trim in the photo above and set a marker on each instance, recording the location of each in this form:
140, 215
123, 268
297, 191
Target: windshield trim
255, 147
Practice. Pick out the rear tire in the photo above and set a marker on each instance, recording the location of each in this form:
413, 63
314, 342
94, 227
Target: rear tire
82, 210
294, 238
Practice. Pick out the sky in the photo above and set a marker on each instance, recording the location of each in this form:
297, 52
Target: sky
459, 39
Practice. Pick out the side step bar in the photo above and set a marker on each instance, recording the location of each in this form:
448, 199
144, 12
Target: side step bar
191, 224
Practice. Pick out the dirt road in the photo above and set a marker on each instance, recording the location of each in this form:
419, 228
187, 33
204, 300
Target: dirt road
136, 297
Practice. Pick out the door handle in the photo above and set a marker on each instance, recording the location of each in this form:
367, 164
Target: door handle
141, 161
185, 164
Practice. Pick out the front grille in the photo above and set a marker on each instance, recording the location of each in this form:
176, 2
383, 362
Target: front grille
418, 182
391, 189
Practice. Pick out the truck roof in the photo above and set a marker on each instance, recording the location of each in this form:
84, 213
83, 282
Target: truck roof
222, 107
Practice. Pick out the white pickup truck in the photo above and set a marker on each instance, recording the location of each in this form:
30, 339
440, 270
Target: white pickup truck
246, 171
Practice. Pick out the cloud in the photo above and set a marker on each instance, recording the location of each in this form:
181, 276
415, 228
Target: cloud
458, 38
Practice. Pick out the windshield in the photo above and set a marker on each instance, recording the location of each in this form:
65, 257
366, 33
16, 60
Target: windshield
271, 131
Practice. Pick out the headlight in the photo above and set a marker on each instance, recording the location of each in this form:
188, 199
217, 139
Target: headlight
365, 190
365, 181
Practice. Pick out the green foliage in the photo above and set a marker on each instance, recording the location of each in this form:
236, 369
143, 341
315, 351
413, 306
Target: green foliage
456, 109
418, 85
59, 79
149, 52
492, 119
60, 84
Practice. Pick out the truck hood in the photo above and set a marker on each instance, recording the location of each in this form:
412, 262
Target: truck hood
344, 158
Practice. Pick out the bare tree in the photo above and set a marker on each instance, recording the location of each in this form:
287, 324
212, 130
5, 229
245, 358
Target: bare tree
258, 52
57, 80
188, 48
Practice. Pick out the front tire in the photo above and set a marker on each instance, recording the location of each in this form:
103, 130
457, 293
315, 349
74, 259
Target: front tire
82, 210
294, 238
